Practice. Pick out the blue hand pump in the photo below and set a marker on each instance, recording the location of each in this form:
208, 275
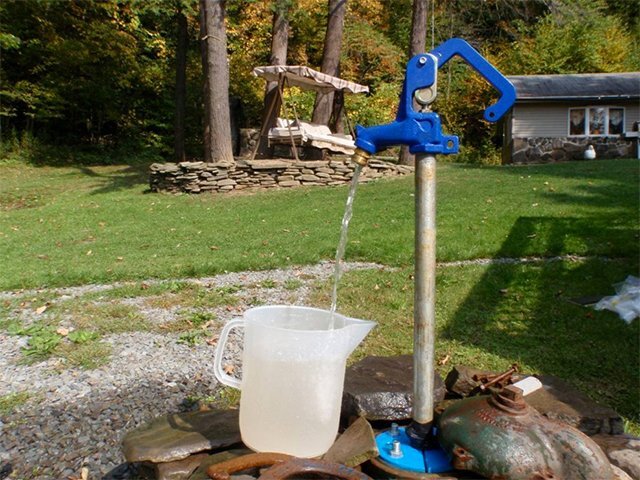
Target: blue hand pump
415, 448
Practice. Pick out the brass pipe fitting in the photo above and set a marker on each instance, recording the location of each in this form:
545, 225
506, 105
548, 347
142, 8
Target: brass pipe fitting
361, 157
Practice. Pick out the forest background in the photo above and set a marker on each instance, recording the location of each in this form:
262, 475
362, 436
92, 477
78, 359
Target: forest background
94, 81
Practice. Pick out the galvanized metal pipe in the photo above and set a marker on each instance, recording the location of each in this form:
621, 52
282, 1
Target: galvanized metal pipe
425, 289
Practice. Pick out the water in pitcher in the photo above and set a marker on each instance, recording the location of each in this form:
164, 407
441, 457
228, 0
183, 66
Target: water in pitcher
305, 393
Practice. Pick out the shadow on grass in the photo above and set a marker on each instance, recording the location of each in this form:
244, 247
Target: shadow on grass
116, 178
116, 167
524, 312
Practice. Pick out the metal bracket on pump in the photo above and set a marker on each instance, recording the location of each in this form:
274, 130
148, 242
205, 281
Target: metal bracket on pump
415, 448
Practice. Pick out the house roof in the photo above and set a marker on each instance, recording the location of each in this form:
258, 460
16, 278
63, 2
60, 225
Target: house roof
584, 86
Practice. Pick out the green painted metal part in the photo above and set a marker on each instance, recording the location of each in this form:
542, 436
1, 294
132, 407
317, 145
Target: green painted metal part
503, 438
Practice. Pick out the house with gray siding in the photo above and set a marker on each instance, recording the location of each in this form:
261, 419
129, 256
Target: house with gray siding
557, 117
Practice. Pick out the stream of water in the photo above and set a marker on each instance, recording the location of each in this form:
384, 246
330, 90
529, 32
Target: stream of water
342, 244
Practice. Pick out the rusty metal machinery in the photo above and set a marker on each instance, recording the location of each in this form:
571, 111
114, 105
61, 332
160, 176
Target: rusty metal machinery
503, 438
278, 466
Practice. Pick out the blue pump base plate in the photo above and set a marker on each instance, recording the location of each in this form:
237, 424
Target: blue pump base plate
412, 459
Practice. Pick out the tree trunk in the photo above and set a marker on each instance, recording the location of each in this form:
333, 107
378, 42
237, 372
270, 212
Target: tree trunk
206, 137
330, 58
417, 44
181, 88
272, 100
217, 124
338, 114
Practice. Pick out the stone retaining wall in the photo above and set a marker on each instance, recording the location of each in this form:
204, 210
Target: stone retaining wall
196, 177
548, 150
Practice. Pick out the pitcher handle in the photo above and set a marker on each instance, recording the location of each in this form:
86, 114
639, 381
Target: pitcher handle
219, 373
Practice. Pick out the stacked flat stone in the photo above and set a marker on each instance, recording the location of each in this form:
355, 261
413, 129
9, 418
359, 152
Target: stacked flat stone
197, 177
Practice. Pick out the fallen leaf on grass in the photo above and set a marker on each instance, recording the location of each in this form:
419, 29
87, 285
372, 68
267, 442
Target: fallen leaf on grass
444, 360
62, 331
212, 340
214, 247
40, 310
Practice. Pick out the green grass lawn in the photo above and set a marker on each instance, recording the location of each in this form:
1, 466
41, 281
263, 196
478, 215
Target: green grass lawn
77, 225
68, 226
495, 315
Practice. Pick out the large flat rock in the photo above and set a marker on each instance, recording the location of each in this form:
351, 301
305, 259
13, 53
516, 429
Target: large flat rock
355, 446
381, 388
623, 451
175, 437
560, 401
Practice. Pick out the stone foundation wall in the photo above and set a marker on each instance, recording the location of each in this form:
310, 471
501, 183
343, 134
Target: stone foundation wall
548, 150
196, 177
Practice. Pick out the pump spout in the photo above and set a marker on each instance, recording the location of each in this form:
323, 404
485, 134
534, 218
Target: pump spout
423, 135
360, 157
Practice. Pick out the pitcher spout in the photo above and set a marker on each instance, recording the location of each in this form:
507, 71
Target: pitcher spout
357, 330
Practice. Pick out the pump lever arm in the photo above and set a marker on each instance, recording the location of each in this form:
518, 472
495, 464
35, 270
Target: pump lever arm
421, 130
457, 46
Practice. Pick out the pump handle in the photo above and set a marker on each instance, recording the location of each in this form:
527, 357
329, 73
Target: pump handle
457, 46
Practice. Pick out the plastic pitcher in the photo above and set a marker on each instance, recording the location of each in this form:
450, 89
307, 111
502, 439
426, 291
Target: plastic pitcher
293, 367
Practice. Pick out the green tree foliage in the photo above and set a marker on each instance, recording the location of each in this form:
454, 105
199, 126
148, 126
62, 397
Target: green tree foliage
102, 73
85, 71
574, 38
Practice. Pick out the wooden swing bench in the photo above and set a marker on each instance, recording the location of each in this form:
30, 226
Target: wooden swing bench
297, 133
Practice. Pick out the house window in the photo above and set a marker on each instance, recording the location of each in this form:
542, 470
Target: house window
616, 118
596, 121
576, 121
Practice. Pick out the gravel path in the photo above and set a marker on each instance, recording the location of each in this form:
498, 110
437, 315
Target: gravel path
75, 418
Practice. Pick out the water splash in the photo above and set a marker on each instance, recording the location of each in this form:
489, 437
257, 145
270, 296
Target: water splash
342, 244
